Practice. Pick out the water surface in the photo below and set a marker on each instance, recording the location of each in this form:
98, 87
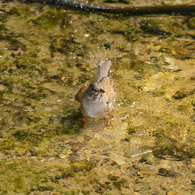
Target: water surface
146, 146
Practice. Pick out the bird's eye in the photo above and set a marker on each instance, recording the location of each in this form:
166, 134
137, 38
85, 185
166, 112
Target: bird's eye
92, 88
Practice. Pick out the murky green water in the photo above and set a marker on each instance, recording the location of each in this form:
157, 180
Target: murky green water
146, 146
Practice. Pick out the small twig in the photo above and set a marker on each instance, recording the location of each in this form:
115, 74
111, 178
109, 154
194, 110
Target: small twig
160, 9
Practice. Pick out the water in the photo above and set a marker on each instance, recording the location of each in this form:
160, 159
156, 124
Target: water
146, 146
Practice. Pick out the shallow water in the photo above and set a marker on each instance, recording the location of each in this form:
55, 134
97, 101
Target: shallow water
146, 146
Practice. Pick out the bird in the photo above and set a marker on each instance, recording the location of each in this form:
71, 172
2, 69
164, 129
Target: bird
97, 98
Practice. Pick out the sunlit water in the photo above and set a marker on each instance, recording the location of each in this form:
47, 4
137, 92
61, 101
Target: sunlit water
146, 145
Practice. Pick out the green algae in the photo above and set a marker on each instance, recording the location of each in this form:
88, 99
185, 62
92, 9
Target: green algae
49, 19
191, 23
163, 26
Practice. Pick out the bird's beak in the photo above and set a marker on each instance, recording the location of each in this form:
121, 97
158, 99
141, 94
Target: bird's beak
100, 91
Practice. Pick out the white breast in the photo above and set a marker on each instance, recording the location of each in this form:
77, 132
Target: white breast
94, 108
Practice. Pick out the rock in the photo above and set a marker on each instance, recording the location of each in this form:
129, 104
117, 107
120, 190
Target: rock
179, 95
2, 87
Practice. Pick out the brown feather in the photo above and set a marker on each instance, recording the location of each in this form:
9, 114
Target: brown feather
79, 95
108, 87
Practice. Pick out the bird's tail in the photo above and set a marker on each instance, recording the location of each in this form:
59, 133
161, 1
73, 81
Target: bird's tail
103, 68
